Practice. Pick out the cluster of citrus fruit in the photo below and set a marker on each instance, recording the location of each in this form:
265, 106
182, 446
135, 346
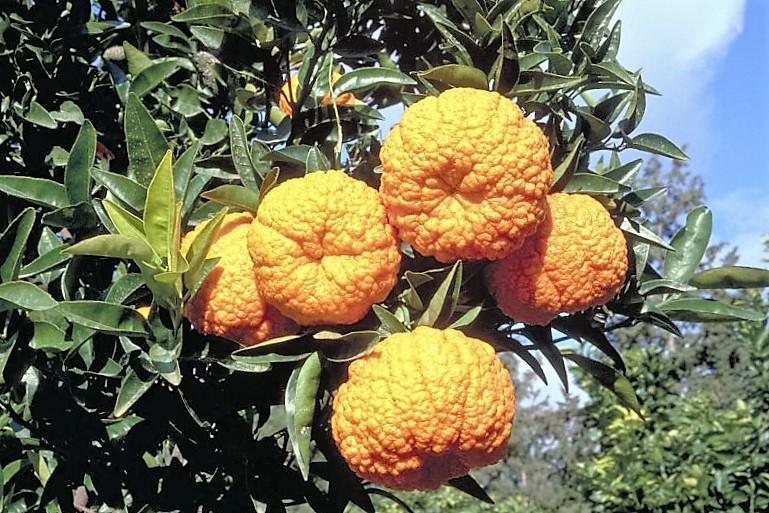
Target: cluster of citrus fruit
465, 175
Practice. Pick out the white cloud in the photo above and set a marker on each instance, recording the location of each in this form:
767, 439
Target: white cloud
743, 219
679, 51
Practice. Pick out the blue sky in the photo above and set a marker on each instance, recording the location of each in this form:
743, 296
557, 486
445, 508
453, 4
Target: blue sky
710, 61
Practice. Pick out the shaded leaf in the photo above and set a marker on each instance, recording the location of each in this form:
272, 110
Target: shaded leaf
609, 378
48, 336
593, 183
338, 347
13, 242
316, 161
39, 191
663, 286
24, 295
542, 338
731, 277
389, 323
457, 75
580, 328
125, 189
241, 156
443, 303
105, 317
707, 310
77, 174
44, 262
132, 389
368, 78
301, 393
38, 115
471, 487
145, 143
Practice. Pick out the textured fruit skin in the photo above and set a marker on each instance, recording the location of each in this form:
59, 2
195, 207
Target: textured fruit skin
577, 259
422, 408
228, 303
464, 175
288, 97
322, 249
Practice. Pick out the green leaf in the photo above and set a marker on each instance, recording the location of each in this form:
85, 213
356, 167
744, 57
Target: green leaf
234, 196
246, 365
639, 232
316, 161
609, 378
38, 115
580, 327
593, 183
567, 167
160, 219
77, 174
125, 222
124, 287
24, 295
206, 13
183, 169
137, 60
198, 250
105, 317
537, 81
13, 242
212, 37
641, 251
69, 112
301, 394
471, 487
337, 347
132, 389
114, 246
731, 277
241, 156
153, 76
663, 286
294, 154
657, 144
49, 337
467, 318
362, 79
78, 215
542, 338
707, 310
625, 173
690, 243
39, 191
457, 75
146, 145
444, 301
390, 323
44, 262
215, 132
118, 429
596, 26
125, 189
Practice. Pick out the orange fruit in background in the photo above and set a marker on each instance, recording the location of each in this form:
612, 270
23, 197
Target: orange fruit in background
577, 259
465, 175
422, 408
289, 92
228, 303
322, 249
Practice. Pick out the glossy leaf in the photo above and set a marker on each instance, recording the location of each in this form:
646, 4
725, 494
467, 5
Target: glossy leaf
731, 277
707, 310
125, 223
49, 337
625, 173
368, 78
657, 144
457, 75
234, 196
198, 250
609, 378
77, 174
24, 295
294, 154
184, 166
39, 191
663, 286
389, 323
215, 132
563, 172
118, 429
466, 318
114, 246
443, 303
38, 115
125, 189
105, 317
593, 183
13, 242
124, 287
301, 394
160, 211
44, 262
137, 60
690, 243
241, 156
154, 75
316, 161
337, 347
132, 389
639, 232
144, 141
541, 81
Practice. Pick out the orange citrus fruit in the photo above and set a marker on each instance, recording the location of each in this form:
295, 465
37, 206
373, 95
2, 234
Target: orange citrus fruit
577, 259
322, 249
289, 92
228, 303
422, 408
465, 175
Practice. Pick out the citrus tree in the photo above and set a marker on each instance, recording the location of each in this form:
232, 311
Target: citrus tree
145, 369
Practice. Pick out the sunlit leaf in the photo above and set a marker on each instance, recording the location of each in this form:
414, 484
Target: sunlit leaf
115, 246
234, 196
390, 323
145, 143
443, 303
160, 210
241, 156
105, 317
707, 310
457, 75
125, 189
367, 78
198, 249
690, 243
24, 295
657, 144
49, 337
40, 191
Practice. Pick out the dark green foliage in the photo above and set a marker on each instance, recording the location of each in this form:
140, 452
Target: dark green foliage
124, 123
